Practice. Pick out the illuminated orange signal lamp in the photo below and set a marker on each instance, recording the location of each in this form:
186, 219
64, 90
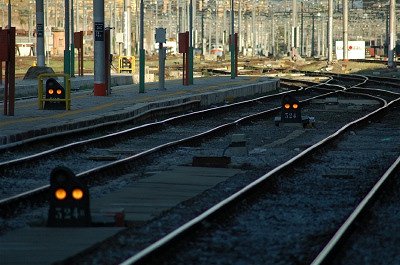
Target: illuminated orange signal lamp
69, 200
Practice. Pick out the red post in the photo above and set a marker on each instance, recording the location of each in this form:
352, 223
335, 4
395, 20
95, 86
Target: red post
11, 85
78, 44
184, 48
236, 54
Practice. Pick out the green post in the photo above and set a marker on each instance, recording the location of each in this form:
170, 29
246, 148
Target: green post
72, 73
233, 52
67, 62
141, 70
190, 66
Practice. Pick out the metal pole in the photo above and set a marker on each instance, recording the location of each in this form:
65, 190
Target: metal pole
312, 36
203, 46
112, 27
294, 29
161, 63
72, 61
141, 50
302, 31
273, 32
392, 34
233, 72
345, 30
67, 56
240, 26
190, 42
40, 57
330, 31
100, 87
129, 29
9, 14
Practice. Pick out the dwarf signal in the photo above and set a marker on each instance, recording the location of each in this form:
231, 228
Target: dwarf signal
54, 90
69, 200
291, 112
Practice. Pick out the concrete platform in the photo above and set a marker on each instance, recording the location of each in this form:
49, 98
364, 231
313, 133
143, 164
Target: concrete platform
141, 201
125, 101
48, 245
148, 197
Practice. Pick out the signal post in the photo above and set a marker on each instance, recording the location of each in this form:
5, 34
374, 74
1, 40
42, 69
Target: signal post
7, 54
100, 86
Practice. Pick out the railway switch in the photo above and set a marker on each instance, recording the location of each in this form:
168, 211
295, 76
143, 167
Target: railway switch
69, 200
291, 113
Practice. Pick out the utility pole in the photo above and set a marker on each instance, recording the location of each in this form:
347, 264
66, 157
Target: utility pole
40, 33
302, 30
190, 42
392, 34
294, 30
100, 86
233, 50
9, 13
330, 31
313, 36
345, 30
141, 50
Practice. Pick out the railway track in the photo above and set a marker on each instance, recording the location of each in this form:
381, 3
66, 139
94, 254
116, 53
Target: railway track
231, 123
109, 154
346, 168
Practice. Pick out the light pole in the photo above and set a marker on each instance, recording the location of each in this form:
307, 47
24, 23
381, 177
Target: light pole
312, 36
141, 50
233, 50
345, 30
392, 34
330, 31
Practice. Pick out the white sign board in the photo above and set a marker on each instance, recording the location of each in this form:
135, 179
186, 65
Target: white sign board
356, 50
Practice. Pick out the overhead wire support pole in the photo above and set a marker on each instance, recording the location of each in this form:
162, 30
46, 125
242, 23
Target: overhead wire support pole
40, 57
190, 74
72, 59
330, 31
233, 51
141, 50
100, 87
392, 34
67, 54
9, 14
345, 30
294, 30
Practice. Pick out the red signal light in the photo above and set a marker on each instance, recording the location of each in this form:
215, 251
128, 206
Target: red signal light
51, 91
295, 105
58, 91
286, 106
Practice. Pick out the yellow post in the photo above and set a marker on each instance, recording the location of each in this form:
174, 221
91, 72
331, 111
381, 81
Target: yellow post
67, 84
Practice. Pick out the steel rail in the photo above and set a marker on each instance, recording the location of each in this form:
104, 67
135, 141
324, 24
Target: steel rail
144, 254
327, 253
148, 126
13, 203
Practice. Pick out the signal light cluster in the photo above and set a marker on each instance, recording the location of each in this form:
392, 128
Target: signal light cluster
51, 91
294, 106
61, 194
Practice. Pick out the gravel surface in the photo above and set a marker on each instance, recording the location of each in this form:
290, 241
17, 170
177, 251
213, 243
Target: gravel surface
377, 241
24, 178
268, 146
263, 156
